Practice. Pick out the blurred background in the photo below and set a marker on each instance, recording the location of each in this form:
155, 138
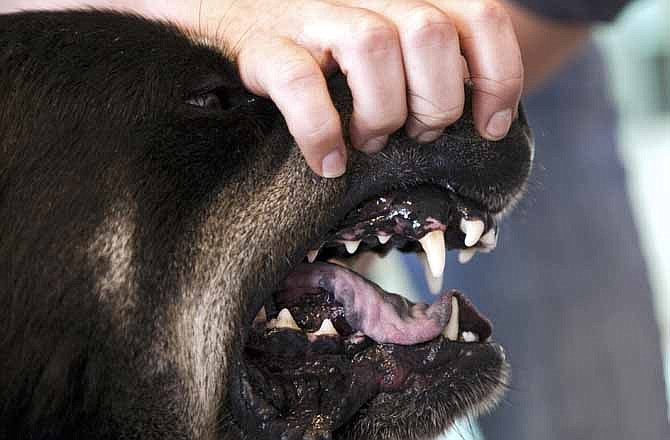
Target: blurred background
581, 354
637, 53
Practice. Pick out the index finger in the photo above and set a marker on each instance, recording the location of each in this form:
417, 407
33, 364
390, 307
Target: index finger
291, 77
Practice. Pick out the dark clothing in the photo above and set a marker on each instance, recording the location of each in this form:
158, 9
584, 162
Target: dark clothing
575, 10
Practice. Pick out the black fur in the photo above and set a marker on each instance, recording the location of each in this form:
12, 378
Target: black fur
138, 232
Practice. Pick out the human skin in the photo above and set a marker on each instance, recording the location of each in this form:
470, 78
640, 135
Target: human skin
405, 61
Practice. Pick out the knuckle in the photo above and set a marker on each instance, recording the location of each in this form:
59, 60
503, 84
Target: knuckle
298, 74
504, 90
490, 11
427, 25
388, 123
374, 34
317, 131
440, 118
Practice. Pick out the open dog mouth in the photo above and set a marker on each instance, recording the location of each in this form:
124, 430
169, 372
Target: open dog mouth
330, 350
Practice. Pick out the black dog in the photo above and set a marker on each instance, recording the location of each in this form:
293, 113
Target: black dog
154, 220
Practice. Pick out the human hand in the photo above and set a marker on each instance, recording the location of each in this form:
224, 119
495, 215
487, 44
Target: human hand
405, 62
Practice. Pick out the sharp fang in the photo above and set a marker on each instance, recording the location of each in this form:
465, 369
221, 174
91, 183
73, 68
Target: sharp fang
434, 247
473, 230
465, 255
451, 329
490, 239
327, 329
261, 316
434, 283
352, 246
285, 320
383, 239
311, 255
470, 337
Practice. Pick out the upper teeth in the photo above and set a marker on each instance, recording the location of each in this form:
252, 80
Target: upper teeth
434, 247
352, 246
383, 238
490, 239
465, 255
451, 330
473, 230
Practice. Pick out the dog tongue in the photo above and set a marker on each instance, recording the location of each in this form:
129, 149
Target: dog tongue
382, 316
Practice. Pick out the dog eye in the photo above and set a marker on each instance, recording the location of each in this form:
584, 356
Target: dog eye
207, 101
222, 100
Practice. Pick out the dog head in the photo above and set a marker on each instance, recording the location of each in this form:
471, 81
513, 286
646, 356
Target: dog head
166, 249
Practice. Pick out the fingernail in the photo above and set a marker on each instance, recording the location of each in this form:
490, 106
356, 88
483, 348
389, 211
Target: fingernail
374, 145
499, 124
333, 165
429, 136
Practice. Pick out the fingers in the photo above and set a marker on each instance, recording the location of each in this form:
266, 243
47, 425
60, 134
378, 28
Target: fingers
367, 49
492, 52
405, 62
289, 75
433, 65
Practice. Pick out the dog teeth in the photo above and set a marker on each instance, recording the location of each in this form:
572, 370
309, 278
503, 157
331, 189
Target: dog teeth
285, 320
311, 255
490, 239
470, 337
434, 247
451, 329
473, 230
383, 239
351, 245
261, 316
327, 329
465, 255
434, 283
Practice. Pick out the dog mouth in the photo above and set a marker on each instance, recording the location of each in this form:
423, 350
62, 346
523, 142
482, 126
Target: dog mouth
332, 352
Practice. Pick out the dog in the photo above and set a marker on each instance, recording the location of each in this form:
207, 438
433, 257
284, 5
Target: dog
171, 268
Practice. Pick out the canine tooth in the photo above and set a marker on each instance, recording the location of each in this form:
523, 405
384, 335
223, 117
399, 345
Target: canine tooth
434, 283
285, 320
465, 255
470, 337
383, 239
451, 329
434, 247
261, 316
490, 239
311, 255
473, 230
351, 245
327, 329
